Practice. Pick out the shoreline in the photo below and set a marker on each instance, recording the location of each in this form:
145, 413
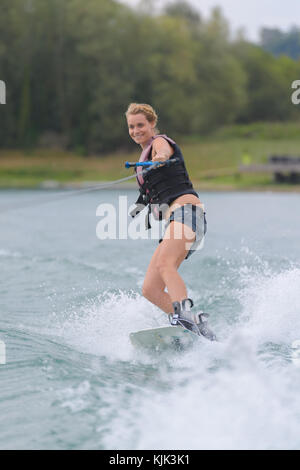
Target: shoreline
213, 164
92, 185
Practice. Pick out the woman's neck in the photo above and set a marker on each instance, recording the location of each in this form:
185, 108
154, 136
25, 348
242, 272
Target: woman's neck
148, 142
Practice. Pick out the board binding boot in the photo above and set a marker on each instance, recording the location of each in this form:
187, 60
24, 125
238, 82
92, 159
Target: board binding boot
195, 322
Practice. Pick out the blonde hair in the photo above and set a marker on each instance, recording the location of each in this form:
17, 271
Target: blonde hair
145, 109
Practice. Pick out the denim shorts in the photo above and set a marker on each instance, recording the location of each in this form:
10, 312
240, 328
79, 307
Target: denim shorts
194, 217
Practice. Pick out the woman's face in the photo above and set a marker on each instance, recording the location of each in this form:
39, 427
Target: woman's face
140, 129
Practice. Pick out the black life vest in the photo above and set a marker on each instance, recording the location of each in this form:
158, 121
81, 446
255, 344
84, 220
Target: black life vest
159, 187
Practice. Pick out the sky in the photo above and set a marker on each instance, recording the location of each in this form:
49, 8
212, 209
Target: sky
251, 15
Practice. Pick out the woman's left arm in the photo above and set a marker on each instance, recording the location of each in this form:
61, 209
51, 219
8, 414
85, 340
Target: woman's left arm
161, 150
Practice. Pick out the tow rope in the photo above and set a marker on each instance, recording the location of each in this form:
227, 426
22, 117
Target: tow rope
96, 187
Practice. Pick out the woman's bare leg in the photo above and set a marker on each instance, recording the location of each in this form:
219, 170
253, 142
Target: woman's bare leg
162, 270
154, 286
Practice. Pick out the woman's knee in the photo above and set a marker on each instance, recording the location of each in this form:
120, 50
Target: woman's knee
152, 286
146, 290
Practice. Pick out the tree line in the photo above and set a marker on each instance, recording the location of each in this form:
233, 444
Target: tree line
71, 67
281, 43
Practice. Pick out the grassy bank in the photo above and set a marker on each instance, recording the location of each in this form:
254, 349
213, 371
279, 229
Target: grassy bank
212, 161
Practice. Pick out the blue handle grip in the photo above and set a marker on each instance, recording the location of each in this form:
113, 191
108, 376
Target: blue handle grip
134, 164
148, 164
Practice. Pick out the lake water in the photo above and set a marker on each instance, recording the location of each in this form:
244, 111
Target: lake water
68, 301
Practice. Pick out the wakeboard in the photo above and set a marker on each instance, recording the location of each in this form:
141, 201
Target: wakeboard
164, 337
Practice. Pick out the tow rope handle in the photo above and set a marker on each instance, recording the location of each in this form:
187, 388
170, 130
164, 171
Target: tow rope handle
150, 164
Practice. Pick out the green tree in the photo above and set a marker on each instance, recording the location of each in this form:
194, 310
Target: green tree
280, 43
221, 80
268, 85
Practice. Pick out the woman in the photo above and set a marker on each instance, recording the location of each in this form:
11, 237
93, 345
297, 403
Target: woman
169, 193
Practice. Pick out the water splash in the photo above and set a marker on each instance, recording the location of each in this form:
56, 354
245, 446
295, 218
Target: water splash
271, 306
102, 327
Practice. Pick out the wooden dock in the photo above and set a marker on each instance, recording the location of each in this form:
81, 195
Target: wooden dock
285, 169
